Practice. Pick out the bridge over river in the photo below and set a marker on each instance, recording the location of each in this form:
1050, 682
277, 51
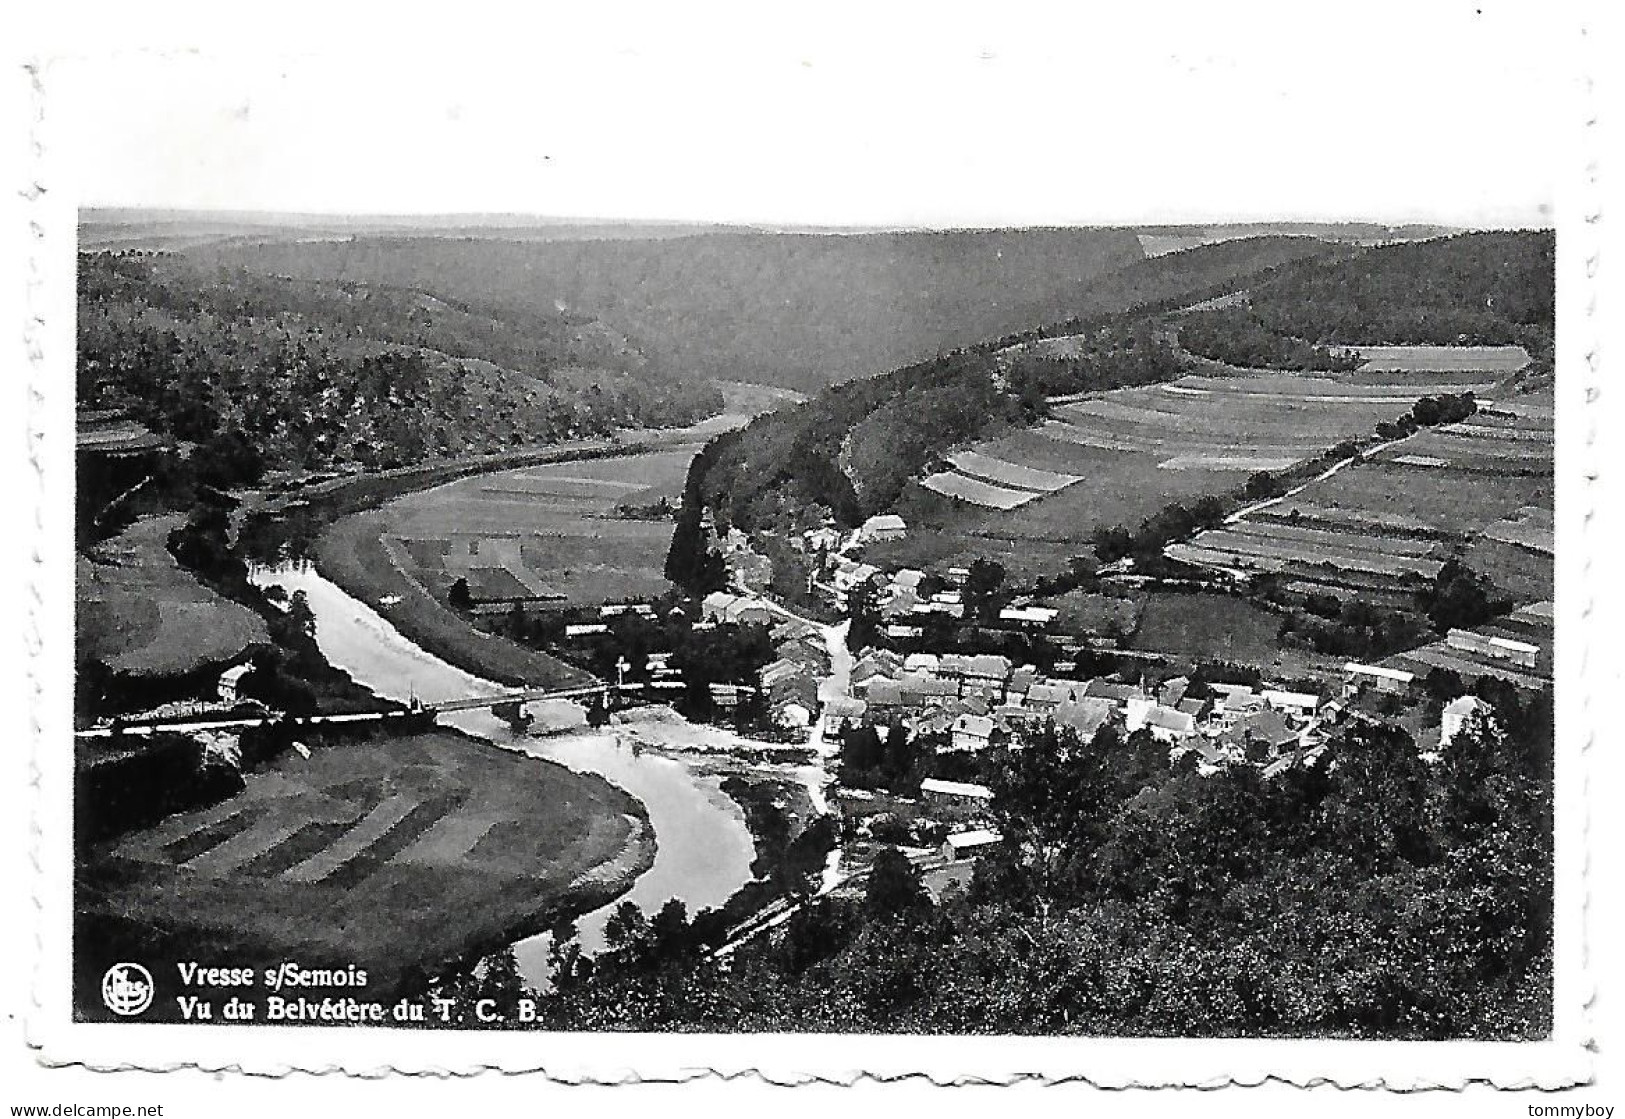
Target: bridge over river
507, 705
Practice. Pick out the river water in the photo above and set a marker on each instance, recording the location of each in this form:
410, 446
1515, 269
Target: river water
703, 847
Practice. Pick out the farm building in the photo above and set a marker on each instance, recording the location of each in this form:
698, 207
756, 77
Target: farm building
955, 791
884, 695
958, 576
619, 609
1520, 653
895, 600
964, 844
1029, 617
882, 527
927, 691
1389, 681
876, 662
585, 629
1301, 704
227, 686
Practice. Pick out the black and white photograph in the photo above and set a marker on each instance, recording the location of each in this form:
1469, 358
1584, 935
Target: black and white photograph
859, 543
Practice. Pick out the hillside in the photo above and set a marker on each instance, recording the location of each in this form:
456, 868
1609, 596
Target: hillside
1098, 422
795, 310
281, 373
855, 446
1486, 289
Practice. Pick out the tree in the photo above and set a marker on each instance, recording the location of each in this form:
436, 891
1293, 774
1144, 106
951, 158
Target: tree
1459, 598
982, 585
894, 890
1263, 484
625, 926
459, 595
864, 612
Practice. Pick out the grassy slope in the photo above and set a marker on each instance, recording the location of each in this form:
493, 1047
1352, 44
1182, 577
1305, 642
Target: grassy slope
142, 614
439, 885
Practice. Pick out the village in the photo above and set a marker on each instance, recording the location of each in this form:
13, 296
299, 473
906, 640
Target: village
950, 711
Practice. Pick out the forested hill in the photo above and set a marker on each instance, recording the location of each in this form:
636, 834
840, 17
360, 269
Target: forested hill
1471, 289
852, 448
797, 310
302, 374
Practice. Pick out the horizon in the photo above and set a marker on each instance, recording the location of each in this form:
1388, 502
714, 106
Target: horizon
522, 220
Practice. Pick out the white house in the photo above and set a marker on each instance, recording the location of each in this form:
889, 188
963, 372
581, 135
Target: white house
1166, 724
1292, 703
964, 844
972, 733
882, 527
955, 790
1029, 617
921, 662
226, 687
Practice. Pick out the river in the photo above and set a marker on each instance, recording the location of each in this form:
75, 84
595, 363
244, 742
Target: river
703, 847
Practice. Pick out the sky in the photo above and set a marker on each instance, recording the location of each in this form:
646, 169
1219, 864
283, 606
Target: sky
906, 115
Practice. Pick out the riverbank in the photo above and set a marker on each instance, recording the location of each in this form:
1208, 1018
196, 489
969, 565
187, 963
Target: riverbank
403, 856
353, 554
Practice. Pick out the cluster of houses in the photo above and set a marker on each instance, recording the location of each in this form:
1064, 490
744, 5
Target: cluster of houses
790, 681
972, 699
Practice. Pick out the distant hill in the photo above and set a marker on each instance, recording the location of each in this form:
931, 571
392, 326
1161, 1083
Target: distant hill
174, 230
793, 310
279, 373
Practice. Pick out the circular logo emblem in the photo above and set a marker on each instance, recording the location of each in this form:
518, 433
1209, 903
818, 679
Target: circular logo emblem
127, 989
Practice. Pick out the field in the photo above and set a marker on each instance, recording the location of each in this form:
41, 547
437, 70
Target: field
1481, 488
1032, 498
398, 855
541, 534
1500, 360
1207, 627
141, 614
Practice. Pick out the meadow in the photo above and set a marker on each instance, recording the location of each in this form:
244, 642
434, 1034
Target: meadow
143, 615
540, 534
1207, 627
396, 854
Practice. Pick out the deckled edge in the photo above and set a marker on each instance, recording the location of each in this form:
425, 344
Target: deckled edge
36, 336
